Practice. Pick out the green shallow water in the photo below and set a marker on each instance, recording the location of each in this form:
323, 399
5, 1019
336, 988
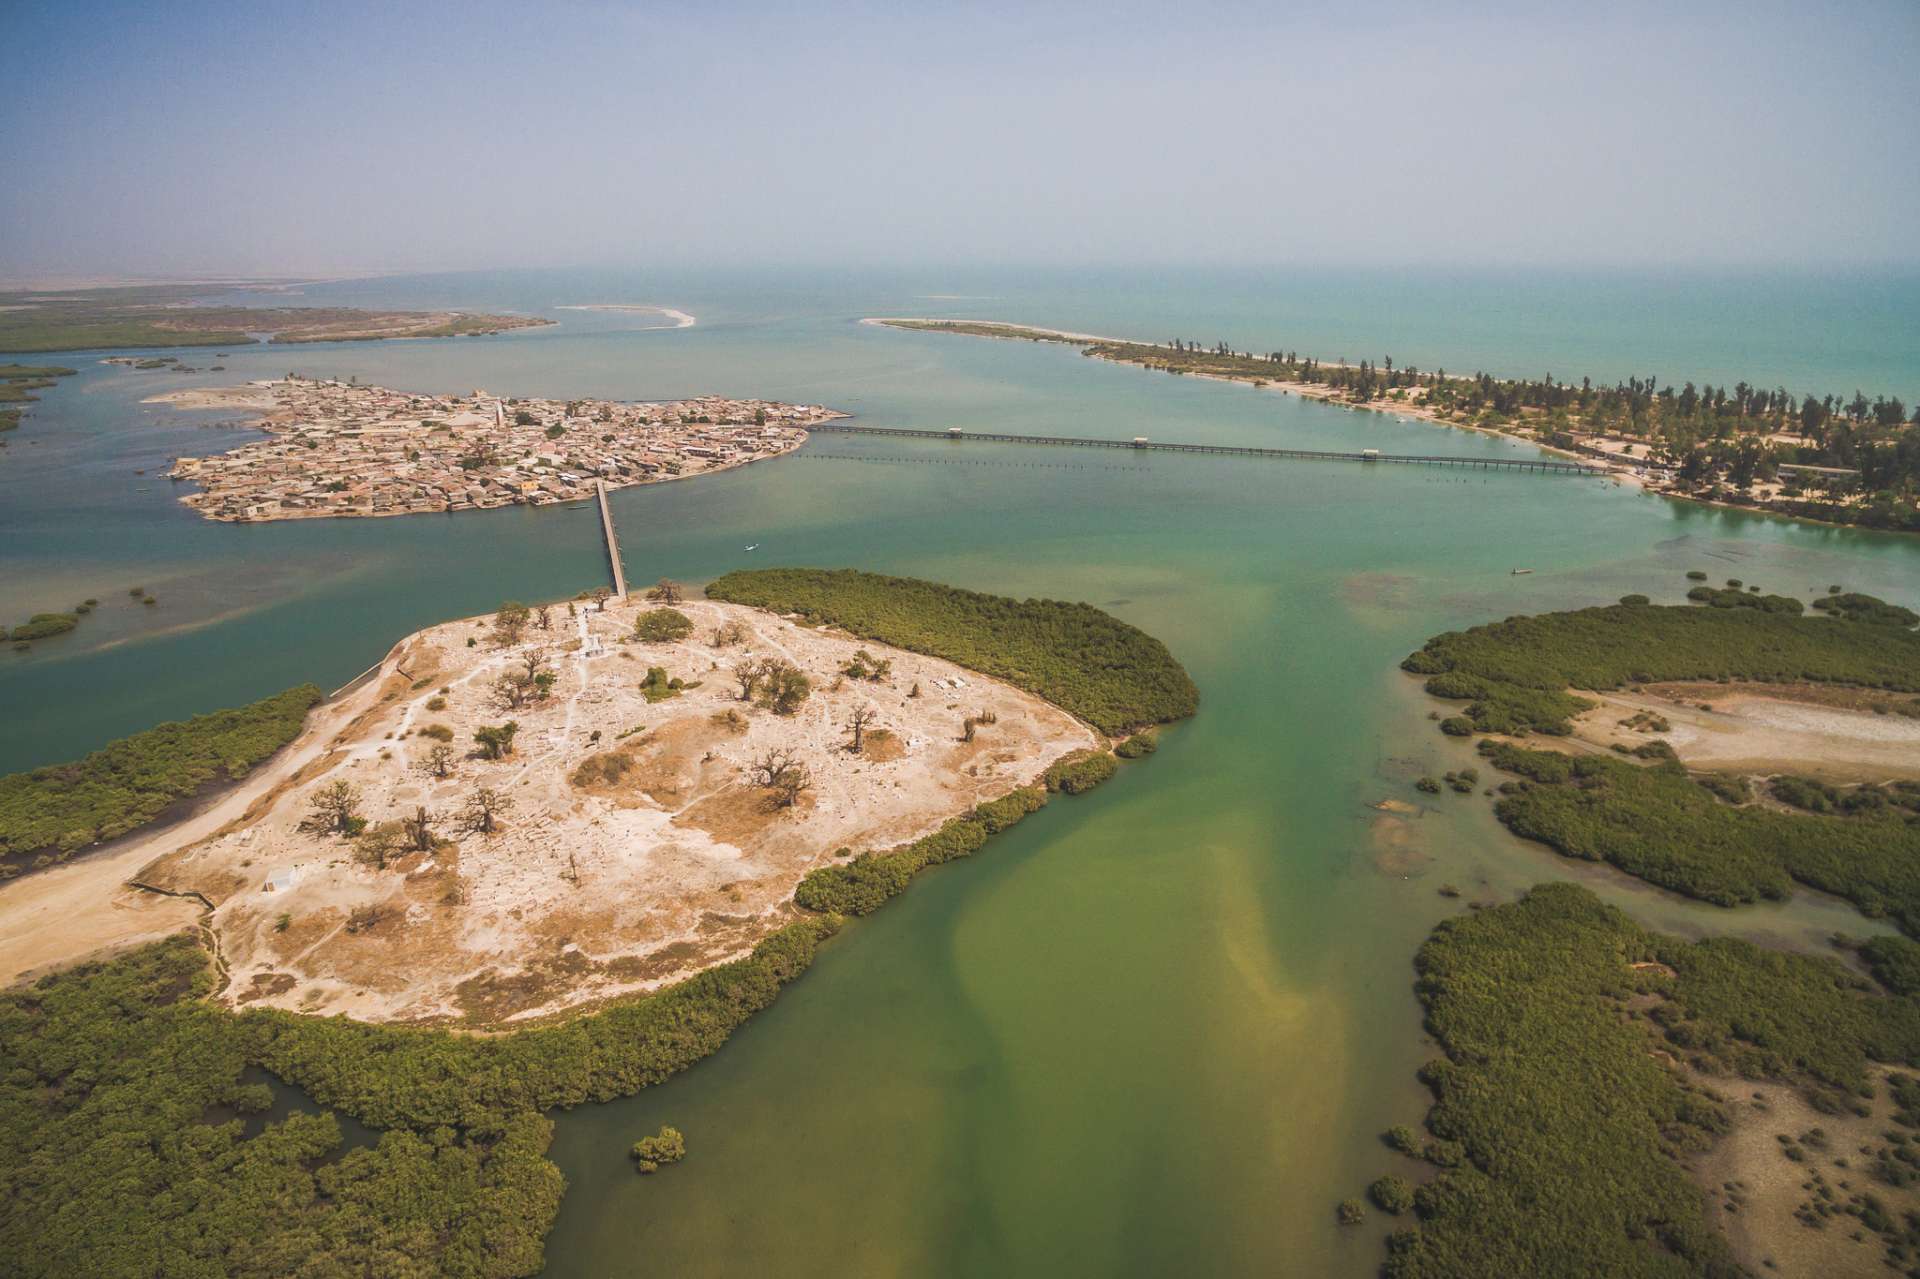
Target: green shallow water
1152, 1030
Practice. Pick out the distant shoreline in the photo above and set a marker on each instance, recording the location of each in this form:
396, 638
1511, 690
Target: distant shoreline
1672, 460
1305, 390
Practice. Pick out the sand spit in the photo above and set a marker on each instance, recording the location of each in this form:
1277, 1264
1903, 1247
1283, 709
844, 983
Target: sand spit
254, 396
681, 320
1410, 410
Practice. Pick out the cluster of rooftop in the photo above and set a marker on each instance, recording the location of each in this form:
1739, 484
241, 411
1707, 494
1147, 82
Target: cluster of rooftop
343, 449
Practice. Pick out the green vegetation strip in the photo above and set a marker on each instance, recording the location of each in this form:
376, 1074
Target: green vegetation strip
121, 1153
1514, 674
1114, 676
53, 811
1657, 823
863, 885
1556, 1121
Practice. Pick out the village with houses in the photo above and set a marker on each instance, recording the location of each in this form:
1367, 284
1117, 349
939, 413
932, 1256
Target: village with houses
341, 449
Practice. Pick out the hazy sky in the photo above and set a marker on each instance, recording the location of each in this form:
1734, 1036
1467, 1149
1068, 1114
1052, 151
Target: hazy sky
296, 138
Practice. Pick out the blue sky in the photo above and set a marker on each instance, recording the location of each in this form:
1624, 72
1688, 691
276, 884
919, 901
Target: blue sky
279, 138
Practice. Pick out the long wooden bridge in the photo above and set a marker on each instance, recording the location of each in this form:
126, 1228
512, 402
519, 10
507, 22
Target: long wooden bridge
1544, 465
613, 542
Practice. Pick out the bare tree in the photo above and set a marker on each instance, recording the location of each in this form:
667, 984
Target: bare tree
336, 809
857, 725
419, 828
601, 594
967, 727
750, 672
510, 693
799, 778
772, 768
483, 809
727, 635
667, 591
439, 760
543, 618
378, 846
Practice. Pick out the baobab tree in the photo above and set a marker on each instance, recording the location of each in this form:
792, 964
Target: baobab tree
496, 740
439, 760
782, 774
667, 591
377, 846
510, 623
771, 769
857, 725
419, 828
483, 809
786, 686
750, 672
336, 809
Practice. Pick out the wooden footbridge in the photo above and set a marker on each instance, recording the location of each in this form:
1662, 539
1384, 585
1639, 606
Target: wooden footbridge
613, 542
1545, 465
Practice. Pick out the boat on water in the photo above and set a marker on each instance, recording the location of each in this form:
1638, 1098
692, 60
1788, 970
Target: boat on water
1521, 572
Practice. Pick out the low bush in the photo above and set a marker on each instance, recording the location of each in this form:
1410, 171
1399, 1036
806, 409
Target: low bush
44, 626
667, 1146
1081, 771
662, 626
1391, 1194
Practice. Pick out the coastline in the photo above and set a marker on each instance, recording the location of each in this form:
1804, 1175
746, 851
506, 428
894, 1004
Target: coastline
1324, 394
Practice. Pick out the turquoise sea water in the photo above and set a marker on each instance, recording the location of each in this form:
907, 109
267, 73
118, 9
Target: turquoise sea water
1154, 1029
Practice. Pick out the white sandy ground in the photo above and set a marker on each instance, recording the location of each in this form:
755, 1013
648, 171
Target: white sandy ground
590, 891
1760, 731
254, 395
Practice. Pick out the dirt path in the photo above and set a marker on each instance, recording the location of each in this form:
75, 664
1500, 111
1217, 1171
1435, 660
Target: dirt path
57, 917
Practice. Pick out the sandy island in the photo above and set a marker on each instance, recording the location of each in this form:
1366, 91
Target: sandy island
659, 858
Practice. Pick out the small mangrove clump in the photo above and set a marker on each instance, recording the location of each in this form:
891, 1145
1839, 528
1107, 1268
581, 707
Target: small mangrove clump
667, 1146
